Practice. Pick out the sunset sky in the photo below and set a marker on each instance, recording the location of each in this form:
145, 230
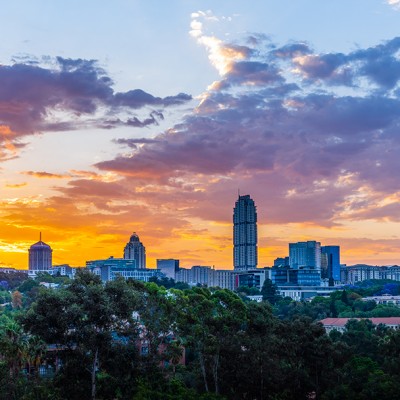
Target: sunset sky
148, 116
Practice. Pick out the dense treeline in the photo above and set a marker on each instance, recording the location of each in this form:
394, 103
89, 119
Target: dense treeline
128, 340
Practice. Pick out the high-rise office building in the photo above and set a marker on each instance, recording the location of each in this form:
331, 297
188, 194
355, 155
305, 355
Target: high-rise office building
169, 267
305, 255
134, 250
330, 263
245, 234
40, 256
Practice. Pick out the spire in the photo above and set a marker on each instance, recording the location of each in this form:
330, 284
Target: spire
40, 236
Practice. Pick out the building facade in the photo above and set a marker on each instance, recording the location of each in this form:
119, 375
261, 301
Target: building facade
40, 257
63, 270
253, 277
110, 268
245, 251
134, 250
339, 324
207, 276
169, 267
358, 273
305, 255
330, 264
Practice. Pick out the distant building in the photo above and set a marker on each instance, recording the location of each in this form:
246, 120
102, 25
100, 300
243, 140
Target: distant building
245, 252
358, 273
200, 275
10, 270
134, 250
40, 257
253, 277
304, 293
110, 268
281, 262
330, 264
207, 276
169, 267
385, 299
223, 278
302, 277
339, 324
63, 270
305, 255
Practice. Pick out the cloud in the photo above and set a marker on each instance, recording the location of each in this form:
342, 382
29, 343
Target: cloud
394, 3
16, 185
309, 129
222, 55
139, 98
66, 94
313, 138
47, 175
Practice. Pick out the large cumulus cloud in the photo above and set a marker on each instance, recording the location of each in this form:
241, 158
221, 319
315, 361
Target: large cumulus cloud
311, 134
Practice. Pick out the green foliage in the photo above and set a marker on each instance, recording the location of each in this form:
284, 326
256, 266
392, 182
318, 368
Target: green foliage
13, 279
169, 283
247, 291
269, 292
28, 285
81, 320
94, 334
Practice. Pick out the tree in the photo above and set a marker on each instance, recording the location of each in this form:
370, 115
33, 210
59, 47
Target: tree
16, 300
83, 319
210, 322
269, 292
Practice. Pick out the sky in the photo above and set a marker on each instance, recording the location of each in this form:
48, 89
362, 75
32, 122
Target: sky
150, 116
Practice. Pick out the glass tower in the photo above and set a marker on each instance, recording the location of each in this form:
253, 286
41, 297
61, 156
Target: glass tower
305, 255
330, 263
245, 234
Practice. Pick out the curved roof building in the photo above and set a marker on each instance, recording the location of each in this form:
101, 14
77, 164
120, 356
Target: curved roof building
134, 250
40, 256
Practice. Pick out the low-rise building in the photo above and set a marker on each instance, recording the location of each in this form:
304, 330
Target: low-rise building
339, 324
358, 273
207, 276
169, 267
385, 299
301, 293
253, 277
63, 270
110, 268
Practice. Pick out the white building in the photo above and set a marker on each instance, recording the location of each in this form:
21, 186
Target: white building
204, 275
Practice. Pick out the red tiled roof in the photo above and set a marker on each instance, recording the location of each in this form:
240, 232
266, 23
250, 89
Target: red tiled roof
375, 321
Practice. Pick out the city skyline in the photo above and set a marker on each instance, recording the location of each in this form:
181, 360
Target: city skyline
147, 117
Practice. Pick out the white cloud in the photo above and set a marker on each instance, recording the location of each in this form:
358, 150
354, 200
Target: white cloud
221, 56
394, 3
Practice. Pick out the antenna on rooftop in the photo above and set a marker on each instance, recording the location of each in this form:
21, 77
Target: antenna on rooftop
40, 236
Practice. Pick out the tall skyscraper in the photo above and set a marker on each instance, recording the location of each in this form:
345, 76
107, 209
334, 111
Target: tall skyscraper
134, 250
40, 256
330, 263
305, 255
245, 234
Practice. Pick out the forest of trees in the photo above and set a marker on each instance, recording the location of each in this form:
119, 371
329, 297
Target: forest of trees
127, 340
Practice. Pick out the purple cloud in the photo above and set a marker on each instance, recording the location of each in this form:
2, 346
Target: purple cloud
292, 126
30, 93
